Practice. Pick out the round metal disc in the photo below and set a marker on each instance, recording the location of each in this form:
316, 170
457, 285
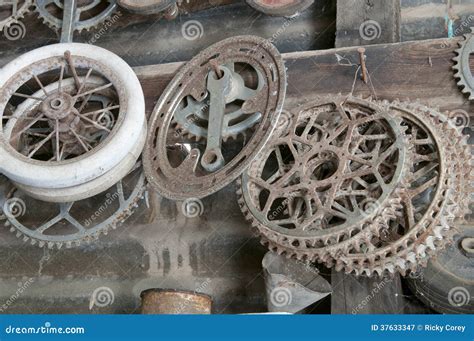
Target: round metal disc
173, 164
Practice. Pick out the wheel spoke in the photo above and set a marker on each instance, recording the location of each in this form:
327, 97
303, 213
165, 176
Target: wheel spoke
101, 110
57, 141
83, 144
40, 84
40, 144
61, 75
95, 124
108, 85
17, 94
27, 127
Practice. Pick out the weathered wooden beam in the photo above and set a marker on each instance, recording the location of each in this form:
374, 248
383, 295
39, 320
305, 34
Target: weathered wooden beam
411, 70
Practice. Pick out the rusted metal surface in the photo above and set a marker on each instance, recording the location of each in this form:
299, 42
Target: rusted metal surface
280, 8
310, 190
160, 301
180, 165
311, 210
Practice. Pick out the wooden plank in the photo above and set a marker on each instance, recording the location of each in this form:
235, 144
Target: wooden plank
411, 70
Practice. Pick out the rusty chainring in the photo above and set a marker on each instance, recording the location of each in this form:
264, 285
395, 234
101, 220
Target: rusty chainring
326, 177
179, 167
433, 192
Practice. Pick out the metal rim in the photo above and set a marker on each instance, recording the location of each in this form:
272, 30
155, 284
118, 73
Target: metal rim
247, 49
83, 233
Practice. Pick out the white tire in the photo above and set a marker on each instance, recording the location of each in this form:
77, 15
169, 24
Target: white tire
107, 155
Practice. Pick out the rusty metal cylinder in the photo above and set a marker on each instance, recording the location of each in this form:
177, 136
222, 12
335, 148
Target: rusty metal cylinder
161, 301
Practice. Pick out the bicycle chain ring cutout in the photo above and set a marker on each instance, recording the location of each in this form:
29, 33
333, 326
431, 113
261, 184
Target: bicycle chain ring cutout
89, 13
72, 223
242, 83
325, 177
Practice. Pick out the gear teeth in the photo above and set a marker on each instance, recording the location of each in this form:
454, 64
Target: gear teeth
55, 23
132, 202
466, 48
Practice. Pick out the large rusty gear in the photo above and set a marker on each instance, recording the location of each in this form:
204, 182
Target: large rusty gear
179, 167
89, 13
435, 192
462, 68
18, 10
70, 223
325, 178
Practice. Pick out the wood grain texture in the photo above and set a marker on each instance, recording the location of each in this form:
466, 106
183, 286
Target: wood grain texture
411, 70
